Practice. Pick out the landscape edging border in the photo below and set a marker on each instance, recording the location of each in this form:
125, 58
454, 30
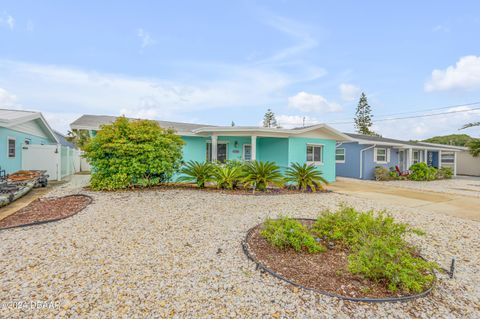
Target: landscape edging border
260, 266
52, 220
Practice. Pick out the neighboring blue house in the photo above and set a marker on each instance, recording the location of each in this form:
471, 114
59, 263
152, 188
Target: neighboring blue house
19, 128
359, 157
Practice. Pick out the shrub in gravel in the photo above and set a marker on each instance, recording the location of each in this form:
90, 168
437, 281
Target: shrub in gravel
289, 233
196, 172
444, 173
227, 176
305, 177
384, 174
377, 249
422, 172
260, 174
127, 153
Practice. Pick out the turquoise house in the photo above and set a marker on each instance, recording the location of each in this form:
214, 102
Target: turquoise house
314, 144
18, 129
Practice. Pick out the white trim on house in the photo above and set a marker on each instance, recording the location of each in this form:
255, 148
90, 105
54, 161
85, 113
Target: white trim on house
214, 158
314, 145
375, 155
14, 118
10, 138
344, 155
243, 152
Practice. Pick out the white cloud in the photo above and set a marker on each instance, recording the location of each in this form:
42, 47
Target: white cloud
145, 37
441, 28
7, 21
291, 121
7, 99
464, 75
307, 102
303, 39
349, 92
57, 89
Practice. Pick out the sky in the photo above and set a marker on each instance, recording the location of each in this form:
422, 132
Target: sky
214, 62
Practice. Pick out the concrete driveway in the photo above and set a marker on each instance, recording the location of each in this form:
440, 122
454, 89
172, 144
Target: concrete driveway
457, 205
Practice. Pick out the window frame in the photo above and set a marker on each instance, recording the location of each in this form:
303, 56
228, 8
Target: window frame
218, 142
316, 163
419, 159
344, 155
375, 155
243, 152
9, 138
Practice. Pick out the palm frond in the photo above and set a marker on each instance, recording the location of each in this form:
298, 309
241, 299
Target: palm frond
305, 177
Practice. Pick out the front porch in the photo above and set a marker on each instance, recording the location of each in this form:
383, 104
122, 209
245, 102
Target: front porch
432, 157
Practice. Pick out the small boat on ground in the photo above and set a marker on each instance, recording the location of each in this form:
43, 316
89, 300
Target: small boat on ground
15, 185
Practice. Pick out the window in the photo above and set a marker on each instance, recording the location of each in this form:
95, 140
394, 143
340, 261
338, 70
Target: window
221, 152
416, 157
340, 155
247, 152
315, 153
381, 155
11, 147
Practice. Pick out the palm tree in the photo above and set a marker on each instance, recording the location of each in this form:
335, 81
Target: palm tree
227, 177
195, 172
261, 174
305, 177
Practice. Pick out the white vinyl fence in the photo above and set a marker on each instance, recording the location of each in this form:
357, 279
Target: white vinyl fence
59, 161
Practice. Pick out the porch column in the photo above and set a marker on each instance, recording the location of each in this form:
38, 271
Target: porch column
425, 158
214, 147
454, 163
254, 147
410, 157
440, 159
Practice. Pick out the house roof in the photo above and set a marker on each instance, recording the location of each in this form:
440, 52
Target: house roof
62, 139
367, 139
93, 122
10, 118
270, 131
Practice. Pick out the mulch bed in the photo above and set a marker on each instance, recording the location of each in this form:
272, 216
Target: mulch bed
46, 209
326, 272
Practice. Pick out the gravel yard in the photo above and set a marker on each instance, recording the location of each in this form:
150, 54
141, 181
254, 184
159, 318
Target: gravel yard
177, 253
460, 185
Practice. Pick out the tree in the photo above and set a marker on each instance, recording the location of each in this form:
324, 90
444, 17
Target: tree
233, 124
363, 117
474, 144
79, 138
133, 153
269, 119
452, 139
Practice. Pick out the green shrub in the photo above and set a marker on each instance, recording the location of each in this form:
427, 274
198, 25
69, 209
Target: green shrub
289, 233
444, 173
227, 176
198, 173
384, 174
261, 174
128, 152
305, 177
377, 249
422, 172
390, 259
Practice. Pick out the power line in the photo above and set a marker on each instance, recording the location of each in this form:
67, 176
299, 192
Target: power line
419, 111
411, 117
